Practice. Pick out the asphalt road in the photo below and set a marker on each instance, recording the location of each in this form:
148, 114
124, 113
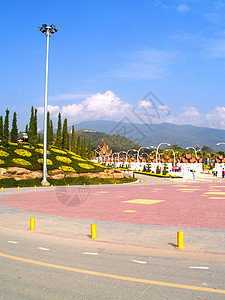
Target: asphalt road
38, 266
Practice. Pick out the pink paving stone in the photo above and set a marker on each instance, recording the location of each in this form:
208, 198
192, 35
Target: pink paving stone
179, 208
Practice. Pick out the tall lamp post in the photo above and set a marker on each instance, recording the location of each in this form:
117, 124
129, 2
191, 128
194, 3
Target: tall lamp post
128, 152
139, 151
48, 31
194, 150
220, 144
157, 149
174, 155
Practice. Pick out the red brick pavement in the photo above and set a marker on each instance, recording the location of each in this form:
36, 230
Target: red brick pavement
183, 205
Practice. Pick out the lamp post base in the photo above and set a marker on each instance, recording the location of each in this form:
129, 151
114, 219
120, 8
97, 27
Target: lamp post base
45, 183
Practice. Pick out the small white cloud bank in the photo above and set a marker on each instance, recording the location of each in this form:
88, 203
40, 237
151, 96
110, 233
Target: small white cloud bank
108, 106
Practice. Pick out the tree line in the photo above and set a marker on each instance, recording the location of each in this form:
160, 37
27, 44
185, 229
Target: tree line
63, 139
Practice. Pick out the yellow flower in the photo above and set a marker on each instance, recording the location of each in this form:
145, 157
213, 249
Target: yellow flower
67, 169
40, 145
1, 162
41, 151
23, 152
85, 166
78, 158
14, 144
26, 146
64, 159
3, 153
21, 161
49, 162
58, 151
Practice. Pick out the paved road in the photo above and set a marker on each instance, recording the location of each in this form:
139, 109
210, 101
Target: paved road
34, 266
134, 256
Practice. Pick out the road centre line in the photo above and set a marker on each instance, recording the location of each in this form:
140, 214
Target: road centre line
139, 261
12, 242
119, 277
200, 268
44, 249
90, 253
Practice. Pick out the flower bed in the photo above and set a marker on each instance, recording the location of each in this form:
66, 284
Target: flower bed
20, 161
64, 159
3, 153
49, 162
85, 166
67, 169
23, 152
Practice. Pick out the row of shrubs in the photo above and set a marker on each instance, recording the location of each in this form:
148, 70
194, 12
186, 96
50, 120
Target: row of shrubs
11, 182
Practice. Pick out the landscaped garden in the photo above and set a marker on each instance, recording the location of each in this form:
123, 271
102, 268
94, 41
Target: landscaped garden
21, 165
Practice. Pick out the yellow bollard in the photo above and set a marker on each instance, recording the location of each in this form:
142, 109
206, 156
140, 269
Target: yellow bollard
144, 183
200, 181
180, 239
214, 180
100, 184
35, 187
115, 183
84, 184
93, 231
130, 183
32, 223
186, 181
158, 182
173, 182
1, 189
52, 186
68, 185
18, 188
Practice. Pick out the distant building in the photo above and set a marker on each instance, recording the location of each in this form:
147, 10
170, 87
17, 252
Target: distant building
103, 149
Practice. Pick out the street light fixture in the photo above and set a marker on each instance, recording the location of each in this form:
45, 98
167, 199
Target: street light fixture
48, 31
194, 150
157, 149
174, 155
220, 144
128, 151
139, 151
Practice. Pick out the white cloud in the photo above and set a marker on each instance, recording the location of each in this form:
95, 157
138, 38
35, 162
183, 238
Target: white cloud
107, 106
98, 106
183, 8
216, 118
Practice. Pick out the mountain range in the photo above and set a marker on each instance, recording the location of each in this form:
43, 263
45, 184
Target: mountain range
153, 134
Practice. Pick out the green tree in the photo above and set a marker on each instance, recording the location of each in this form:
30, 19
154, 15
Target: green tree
35, 124
1, 128
49, 130
73, 141
68, 141
6, 127
27, 129
89, 149
58, 141
78, 145
65, 135
31, 134
14, 131
39, 138
84, 148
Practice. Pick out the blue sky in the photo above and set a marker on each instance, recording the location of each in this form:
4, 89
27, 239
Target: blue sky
107, 55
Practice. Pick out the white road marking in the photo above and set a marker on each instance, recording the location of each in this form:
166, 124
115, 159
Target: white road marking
44, 249
139, 261
90, 253
12, 242
200, 268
